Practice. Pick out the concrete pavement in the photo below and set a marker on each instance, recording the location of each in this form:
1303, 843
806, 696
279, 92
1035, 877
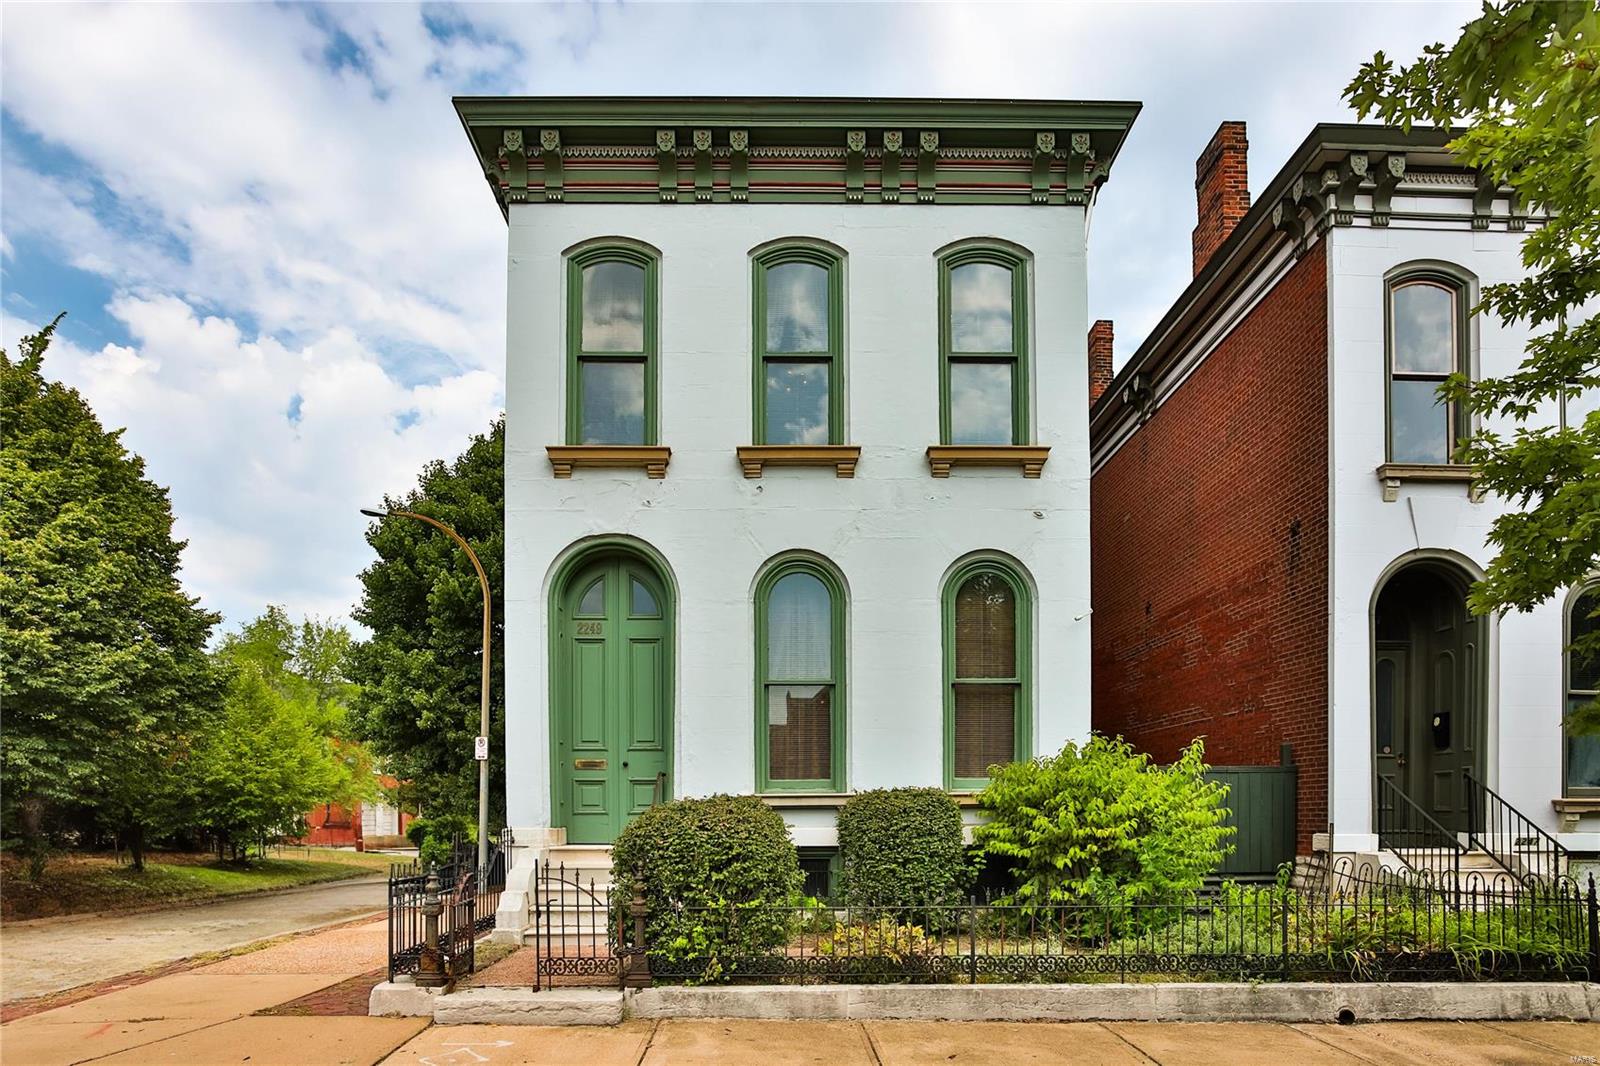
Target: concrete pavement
245, 1010
52, 954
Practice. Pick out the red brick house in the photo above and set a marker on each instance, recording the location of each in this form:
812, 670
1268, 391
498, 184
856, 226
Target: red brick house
1281, 545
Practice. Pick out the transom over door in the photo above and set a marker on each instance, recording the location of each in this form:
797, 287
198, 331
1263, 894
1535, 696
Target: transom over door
612, 712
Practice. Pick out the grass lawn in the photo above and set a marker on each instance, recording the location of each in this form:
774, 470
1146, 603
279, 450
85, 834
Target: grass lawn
73, 884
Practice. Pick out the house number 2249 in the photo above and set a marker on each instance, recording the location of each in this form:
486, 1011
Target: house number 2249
589, 629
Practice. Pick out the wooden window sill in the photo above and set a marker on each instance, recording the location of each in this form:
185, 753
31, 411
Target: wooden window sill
651, 458
1570, 808
942, 458
754, 458
1393, 474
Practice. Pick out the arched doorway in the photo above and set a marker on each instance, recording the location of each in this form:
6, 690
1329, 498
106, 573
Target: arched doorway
611, 692
1428, 710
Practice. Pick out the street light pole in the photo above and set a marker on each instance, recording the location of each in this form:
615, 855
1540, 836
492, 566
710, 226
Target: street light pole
483, 710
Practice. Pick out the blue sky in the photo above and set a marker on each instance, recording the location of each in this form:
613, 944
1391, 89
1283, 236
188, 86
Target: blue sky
284, 275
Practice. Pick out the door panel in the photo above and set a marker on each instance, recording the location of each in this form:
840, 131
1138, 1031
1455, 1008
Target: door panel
1392, 722
611, 715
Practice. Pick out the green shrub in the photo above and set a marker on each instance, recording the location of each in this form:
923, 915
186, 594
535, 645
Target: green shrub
902, 847
435, 837
1101, 823
717, 874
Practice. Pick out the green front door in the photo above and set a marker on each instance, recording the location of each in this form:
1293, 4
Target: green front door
612, 717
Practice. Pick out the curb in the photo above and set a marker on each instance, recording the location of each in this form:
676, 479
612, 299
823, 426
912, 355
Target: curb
1175, 1002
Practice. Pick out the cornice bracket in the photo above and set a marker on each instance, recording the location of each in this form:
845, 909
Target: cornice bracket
702, 166
1316, 196
1483, 200
739, 166
1286, 219
550, 156
1044, 153
1138, 395
893, 144
927, 166
1352, 172
1080, 152
855, 165
667, 165
1519, 212
1388, 178
515, 155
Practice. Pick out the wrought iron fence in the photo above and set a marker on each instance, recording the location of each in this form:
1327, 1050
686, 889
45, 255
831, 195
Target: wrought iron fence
435, 914
1354, 924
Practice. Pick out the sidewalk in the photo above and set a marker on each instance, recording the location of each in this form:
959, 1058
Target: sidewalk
58, 953
303, 1003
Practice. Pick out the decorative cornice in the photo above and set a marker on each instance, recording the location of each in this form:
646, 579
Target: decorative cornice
598, 150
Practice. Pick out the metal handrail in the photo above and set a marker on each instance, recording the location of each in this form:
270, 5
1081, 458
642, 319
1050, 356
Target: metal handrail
1414, 837
661, 788
1492, 822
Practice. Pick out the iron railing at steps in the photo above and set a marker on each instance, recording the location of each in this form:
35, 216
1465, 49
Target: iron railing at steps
1413, 836
1510, 837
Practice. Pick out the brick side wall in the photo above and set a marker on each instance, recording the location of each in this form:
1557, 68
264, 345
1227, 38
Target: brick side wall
1210, 554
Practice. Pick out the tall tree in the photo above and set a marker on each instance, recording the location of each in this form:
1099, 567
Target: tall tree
1522, 86
280, 747
104, 676
419, 673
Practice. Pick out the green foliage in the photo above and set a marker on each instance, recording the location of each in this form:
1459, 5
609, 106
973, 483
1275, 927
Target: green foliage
716, 874
881, 949
1522, 86
105, 679
1360, 935
436, 836
277, 749
902, 847
420, 672
1102, 823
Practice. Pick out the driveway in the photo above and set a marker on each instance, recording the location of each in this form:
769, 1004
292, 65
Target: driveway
52, 954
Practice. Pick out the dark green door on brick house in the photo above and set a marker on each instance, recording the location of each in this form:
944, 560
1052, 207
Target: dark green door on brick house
612, 715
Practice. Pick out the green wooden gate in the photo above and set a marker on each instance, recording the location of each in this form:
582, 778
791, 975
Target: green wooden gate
1263, 808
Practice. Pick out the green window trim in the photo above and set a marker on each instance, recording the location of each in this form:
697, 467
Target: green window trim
1017, 358
834, 584
1459, 286
798, 251
1586, 598
578, 357
1022, 600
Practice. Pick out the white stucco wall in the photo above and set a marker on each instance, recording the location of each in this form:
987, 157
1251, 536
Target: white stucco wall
1525, 693
893, 531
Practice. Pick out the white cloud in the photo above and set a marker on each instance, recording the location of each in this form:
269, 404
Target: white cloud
282, 202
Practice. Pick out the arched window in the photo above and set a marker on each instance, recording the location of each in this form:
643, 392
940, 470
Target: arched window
1583, 687
800, 677
983, 342
1427, 327
799, 342
987, 674
611, 346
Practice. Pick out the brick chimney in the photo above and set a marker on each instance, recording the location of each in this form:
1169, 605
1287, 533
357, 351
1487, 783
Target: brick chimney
1100, 374
1221, 190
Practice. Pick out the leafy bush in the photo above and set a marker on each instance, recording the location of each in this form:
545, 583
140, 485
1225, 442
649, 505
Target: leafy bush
717, 875
1101, 823
880, 949
435, 838
902, 847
